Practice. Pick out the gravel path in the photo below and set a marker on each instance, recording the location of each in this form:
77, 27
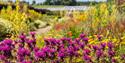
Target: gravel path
43, 30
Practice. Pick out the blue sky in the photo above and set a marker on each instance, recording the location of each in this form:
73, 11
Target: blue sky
39, 1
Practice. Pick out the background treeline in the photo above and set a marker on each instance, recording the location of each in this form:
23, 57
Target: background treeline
66, 2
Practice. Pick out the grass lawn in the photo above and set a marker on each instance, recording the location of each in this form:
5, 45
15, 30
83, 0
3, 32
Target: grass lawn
48, 6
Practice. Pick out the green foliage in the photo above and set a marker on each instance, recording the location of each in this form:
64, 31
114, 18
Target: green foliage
60, 2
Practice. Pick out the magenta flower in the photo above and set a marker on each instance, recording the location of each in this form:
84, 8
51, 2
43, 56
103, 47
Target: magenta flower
111, 53
86, 40
110, 45
36, 49
114, 60
70, 52
2, 57
99, 37
40, 54
82, 35
47, 41
8, 41
82, 45
26, 62
22, 36
95, 47
99, 53
123, 57
86, 51
87, 58
32, 34
61, 55
103, 45
77, 40
23, 52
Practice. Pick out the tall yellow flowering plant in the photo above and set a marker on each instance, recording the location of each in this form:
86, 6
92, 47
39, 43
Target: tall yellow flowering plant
16, 18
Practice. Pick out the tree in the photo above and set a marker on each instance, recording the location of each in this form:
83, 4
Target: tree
60, 2
33, 2
47, 2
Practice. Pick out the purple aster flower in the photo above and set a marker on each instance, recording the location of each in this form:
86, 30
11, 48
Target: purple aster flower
7, 51
86, 40
46, 49
56, 61
87, 58
6, 48
61, 55
76, 48
27, 52
51, 54
110, 45
36, 49
86, 51
123, 57
70, 52
95, 47
31, 43
58, 42
76, 54
103, 45
22, 36
111, 53
47, 42
2, 57
114, 60
40, 54
65, 40
20, 58
20, 45
82, 35
32, 33
53, 41
8, 41
23, 52
77, 40
99, 54
99, 37
26, 62
82, 45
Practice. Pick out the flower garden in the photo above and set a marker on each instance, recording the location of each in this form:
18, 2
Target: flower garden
96, 35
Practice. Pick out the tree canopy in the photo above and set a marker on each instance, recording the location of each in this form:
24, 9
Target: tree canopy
60, 2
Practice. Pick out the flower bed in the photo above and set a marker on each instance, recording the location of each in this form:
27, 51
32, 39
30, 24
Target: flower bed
63, 50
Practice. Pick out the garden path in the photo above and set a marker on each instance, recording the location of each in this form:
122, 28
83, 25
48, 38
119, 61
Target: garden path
43, 30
